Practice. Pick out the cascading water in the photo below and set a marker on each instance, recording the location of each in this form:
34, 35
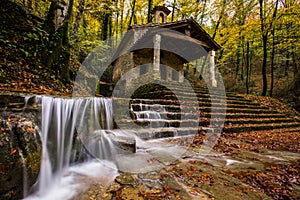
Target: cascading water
67, 126
80, 145
154, 114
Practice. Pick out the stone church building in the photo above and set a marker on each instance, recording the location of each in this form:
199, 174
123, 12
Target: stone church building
162, 48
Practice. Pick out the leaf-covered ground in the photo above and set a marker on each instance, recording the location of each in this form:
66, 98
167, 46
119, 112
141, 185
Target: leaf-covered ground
274, 104
21, 45
252, 165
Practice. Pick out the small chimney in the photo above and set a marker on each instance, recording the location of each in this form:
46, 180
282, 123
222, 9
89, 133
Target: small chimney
161, 12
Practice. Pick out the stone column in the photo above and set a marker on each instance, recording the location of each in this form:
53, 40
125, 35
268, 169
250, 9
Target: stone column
132, 74
181, 76
169, 73
212, 68
156, 57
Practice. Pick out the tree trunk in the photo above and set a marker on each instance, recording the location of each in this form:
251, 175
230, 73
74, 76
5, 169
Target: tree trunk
220, 18
237, 63
264, 66
78, 17
105, 25
173, 10
122, 18
132, 13
265, 28
272, 62
149, 17
117, 25
203, 12
56, 54
297, 91
287, 63
264, 41
294, 61
247, 67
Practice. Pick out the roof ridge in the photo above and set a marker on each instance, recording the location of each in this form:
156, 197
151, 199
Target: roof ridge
153, 24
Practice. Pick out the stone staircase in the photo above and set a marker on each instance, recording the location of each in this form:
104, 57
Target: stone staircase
16, 103
156, 112
160, 112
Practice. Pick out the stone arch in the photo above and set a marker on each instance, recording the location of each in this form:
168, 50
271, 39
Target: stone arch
160, 17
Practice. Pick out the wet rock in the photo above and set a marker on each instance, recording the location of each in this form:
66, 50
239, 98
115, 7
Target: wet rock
20, 154
129, 193
126, 179
127, 144
18, 103
11, 102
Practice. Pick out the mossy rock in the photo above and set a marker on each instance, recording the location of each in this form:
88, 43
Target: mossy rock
20, 151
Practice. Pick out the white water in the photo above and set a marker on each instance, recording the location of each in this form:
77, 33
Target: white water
26, 99
153, 114
88, 122
25, 174
61, 118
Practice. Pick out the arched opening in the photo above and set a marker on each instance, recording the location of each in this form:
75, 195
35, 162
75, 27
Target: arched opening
161, 18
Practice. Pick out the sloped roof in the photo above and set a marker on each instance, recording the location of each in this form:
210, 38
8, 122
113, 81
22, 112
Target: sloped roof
197, 32
176, 40
162, 8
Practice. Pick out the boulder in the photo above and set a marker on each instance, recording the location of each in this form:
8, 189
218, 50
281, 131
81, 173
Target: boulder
20, 156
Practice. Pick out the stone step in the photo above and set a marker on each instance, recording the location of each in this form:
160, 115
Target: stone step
201, 101
242, 110
200, 104
157, 133
258, 127
245, 115
202, 122
287, 130
15, 102
16, 105
205, 92
259, 121
192, 93
207, 115
176, 108
160, 123
180, 86
188, 96
213, 99
224, 115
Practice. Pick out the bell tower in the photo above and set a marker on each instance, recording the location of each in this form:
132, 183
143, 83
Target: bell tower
160, 14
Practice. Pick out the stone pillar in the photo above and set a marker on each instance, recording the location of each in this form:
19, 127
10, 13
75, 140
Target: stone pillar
132, 74
212, 68
181, 76
156, 57
169, 74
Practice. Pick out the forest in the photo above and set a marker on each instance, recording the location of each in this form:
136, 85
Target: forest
260, 39
152, 144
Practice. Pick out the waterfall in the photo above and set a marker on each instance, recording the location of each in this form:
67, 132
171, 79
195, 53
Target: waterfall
155, 114
79, 145
67, 126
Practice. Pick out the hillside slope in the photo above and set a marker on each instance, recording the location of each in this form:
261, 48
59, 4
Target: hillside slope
21, 45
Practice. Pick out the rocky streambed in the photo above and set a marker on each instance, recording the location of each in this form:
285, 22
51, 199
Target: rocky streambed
20, 147
249, 165
235, 169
